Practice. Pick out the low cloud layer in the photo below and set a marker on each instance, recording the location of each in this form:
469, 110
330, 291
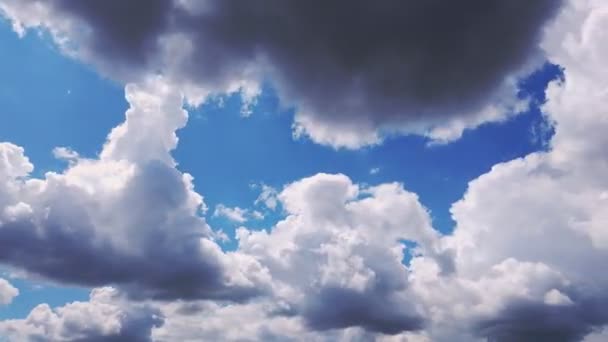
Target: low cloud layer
101, 319
433, 68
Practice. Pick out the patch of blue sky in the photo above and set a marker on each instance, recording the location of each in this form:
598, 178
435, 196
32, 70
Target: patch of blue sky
48, 100
33, 293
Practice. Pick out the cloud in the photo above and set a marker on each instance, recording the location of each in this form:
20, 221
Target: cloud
336, 258
334, 263
101, 319
65, 153
519, 321
546, 209
336, 266
7, 292
267, 197
236, 214
102, 221
434, 68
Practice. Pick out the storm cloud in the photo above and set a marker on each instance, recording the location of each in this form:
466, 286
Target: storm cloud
351, 69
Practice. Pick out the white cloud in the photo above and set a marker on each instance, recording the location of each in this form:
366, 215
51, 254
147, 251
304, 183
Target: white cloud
545, 209
7, 292
112, 215
65, 153
257, 215
102, 318
235, 214
339, 250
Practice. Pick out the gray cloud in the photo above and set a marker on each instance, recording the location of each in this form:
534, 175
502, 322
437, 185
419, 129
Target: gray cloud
357, 66
104, 318
337, 308
530, 321
165, 259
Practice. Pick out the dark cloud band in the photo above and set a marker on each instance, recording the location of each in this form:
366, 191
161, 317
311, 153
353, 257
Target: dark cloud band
353, 65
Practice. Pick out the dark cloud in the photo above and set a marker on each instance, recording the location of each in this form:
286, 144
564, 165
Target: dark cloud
136, 326
529, 321
336, 308
93, 321
123, 30
162, 257
377, 64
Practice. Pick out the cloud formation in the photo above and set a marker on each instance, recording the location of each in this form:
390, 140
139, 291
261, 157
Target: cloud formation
101, 319
102, 221
336, 258
433, 68
7, 292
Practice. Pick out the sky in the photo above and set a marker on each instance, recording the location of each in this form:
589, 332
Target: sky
170, 170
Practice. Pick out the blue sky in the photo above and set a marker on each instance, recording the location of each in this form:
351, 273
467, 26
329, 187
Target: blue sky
50, 100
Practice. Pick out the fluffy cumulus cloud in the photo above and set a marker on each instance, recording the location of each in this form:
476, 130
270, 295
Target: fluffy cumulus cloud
336, 259
101, 319
541, 219
128, 219
524, 260
433, 68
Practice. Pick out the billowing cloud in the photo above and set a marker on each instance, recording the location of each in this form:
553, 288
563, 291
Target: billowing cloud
336, 259
128, 219
547, 209
432, 68
7, 292
101, 319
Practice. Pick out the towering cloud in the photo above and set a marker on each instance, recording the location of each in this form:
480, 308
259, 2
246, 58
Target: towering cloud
354, 70
128, 219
